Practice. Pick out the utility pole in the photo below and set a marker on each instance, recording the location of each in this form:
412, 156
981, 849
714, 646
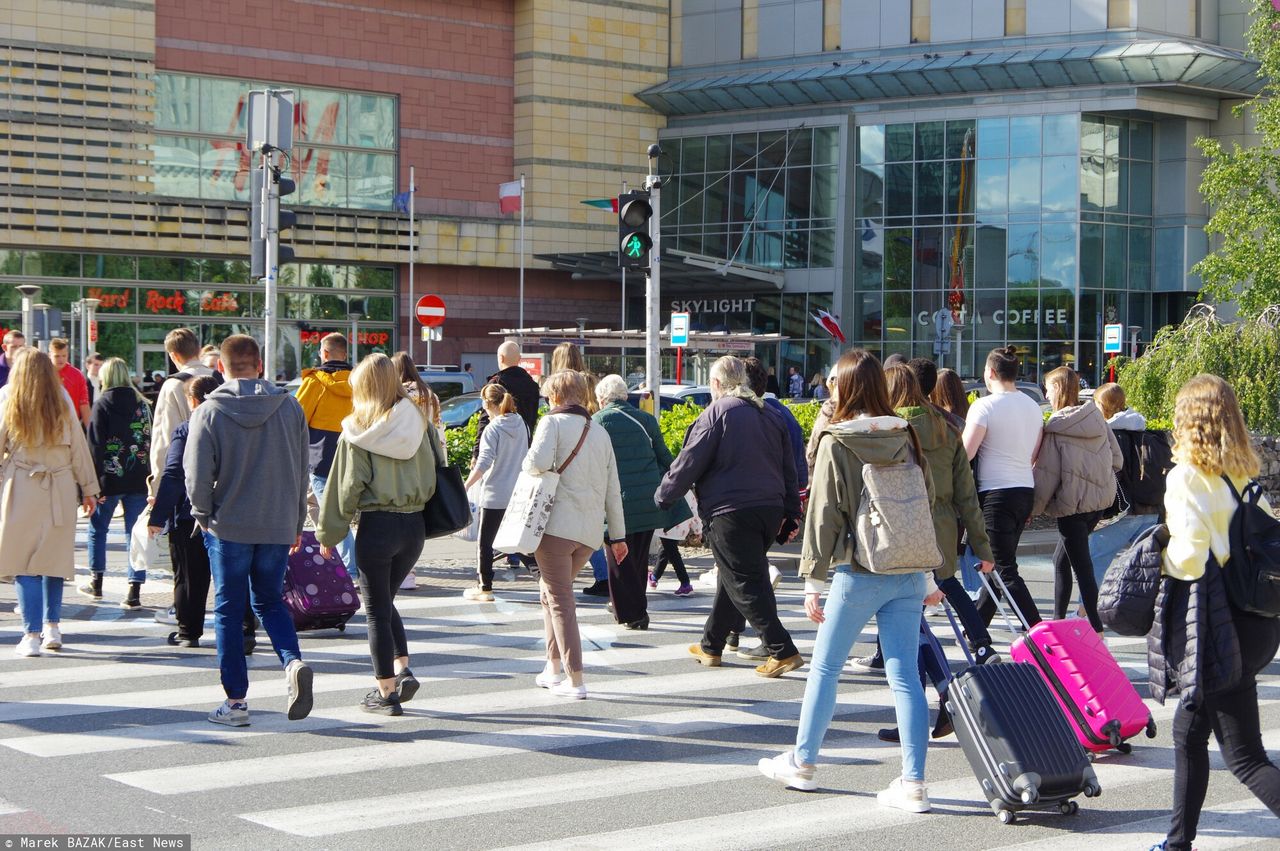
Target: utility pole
270, 133
653, 287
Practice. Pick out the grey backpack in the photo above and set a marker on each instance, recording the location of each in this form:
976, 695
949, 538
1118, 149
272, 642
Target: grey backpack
893, 529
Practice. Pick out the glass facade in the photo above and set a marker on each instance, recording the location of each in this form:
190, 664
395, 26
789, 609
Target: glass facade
344, 143
142, 298
763, 199
1023, 230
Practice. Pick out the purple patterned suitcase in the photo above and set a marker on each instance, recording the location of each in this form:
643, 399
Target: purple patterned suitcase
317, 590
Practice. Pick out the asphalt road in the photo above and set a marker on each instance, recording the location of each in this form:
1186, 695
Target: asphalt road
110, 736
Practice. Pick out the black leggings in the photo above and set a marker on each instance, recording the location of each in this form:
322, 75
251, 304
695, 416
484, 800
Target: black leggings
387, 547
191, 579
1072, 556
1232, 717
490, 520
671, 555
1006, 512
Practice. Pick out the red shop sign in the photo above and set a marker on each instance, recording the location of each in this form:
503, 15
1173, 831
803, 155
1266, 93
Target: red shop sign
110, 301
363, 338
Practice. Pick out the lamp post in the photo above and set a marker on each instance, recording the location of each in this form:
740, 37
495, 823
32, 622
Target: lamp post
87, 308
30, 292
43, 310
1134, 331
355, 310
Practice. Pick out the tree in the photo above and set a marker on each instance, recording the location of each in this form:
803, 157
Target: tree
1241, 187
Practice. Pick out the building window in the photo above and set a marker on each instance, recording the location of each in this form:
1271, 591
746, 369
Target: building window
1119, 14
344, 143
1015, 17
920, 20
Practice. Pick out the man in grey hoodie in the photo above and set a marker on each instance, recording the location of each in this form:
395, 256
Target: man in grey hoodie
246, 470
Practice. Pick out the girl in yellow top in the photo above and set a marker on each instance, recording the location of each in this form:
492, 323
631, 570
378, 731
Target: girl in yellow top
1210, 440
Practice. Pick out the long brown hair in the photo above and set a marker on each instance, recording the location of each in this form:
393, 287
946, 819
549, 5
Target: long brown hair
1067, 383
948, 394
1209, 431
37, 413
904, 392
861, 387
1110, 399
424, 398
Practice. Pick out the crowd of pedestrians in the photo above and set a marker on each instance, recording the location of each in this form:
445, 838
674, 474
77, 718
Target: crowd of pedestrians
226, 463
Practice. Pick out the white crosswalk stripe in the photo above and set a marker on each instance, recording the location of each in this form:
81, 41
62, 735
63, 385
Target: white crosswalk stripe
481, 756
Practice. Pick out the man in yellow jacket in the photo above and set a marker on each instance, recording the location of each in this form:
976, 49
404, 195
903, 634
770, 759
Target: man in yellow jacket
325, 396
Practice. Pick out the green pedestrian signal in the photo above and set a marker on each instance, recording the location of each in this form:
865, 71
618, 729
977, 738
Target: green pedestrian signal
635, 215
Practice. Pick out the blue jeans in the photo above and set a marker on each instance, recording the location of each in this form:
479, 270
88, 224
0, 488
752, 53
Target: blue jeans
245, 574
346, 549
100, 523
895, 603
599, 566
39, 595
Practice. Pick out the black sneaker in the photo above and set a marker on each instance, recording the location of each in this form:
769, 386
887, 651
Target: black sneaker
731, 643
984, 655
641, 624
178, 641
943, 726
375, 703
866, 663
757, 654
407, 685
598, 589
889, 734
250, 644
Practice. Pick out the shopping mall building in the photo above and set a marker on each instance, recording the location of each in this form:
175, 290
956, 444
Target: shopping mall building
941, 175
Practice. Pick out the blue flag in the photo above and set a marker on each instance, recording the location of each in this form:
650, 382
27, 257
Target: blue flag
401, 202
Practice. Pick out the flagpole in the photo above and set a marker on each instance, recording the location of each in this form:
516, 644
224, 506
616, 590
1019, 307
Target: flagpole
522, 255
412, 301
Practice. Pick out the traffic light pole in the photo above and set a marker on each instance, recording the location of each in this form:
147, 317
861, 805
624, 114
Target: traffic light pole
271, 233
653, 286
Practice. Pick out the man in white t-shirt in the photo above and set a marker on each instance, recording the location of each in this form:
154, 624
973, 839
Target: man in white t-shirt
1003, 431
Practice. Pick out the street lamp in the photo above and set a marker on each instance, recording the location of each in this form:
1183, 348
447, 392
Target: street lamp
85, 309
29, 294
355, 310
43, 310
1134, 331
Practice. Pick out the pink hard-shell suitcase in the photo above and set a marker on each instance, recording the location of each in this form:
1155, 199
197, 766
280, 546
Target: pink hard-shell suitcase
317, 590
1090, 686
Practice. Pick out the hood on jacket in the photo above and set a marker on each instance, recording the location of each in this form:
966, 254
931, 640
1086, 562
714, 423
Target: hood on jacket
875, 440
125, 396
929, 424
397, 435
334, 376
1081, 421
510, 425
248, 402
1128, 420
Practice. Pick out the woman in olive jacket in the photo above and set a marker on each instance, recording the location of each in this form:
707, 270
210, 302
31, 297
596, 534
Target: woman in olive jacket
643, 459
1075, 478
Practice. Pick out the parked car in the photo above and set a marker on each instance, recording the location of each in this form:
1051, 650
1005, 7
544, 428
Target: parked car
458, 411
1030, 388
447, 383
677, 394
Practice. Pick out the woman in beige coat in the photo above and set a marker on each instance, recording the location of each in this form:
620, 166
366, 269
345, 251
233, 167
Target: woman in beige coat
45, 470
1075, 479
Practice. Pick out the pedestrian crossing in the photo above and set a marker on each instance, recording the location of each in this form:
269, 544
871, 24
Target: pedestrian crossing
661, 755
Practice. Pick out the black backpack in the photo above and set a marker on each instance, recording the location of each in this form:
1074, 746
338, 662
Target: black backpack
1252, 575
1127, 596
1148, 458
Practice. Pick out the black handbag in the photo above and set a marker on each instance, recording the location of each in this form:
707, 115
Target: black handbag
448, 510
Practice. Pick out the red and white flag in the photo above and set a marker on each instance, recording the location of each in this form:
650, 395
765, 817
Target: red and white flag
828, 322
509, 197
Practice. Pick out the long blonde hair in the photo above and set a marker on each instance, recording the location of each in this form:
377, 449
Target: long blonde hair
37, 413
115, 373
1209, 431
375, 390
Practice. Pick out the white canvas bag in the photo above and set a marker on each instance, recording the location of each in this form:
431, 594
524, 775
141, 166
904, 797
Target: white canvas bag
525, 520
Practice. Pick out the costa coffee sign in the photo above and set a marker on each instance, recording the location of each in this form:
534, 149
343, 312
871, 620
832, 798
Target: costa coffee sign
363, 338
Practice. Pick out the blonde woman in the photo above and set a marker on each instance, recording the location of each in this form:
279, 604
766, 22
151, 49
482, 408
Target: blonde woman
384, 467
588, 495
45, 471
1214, 457
120, 440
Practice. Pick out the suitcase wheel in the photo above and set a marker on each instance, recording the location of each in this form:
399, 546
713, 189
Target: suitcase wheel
1006, 816
1030, 796
1151, 728
1068, 808
342, 627
1125, 748
1092, 790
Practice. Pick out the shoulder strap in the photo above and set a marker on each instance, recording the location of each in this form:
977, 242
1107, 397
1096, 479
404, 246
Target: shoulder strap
574, 453
638, 423
1231, 487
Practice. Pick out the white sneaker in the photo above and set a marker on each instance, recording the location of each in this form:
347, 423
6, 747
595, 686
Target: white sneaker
476, 594
783, 769
28, 645
52, 638
231, 714
548, 680
709, 578
568, 690
410, 582
299, 699
167, 616
775, 576
909, 795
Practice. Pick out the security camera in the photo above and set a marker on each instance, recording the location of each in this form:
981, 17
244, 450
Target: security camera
655, 151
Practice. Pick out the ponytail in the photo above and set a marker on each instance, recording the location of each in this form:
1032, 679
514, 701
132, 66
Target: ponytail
497, 396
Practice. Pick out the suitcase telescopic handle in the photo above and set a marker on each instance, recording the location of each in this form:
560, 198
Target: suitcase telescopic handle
991, 581
955, 627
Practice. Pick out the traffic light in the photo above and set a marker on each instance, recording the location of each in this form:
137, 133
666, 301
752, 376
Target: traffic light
257, 245
634, 242
285, 219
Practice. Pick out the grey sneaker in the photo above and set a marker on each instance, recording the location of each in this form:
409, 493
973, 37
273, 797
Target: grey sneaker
167, 616
231, 714
757, 654
299, 700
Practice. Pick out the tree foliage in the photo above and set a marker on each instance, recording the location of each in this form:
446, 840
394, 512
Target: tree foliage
1246, 354
1241, 187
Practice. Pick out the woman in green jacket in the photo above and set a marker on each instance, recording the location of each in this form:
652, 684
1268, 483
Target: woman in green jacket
385, 469
643, 459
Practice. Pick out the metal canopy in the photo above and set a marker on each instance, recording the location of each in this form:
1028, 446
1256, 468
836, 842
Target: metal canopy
680, 271
700, 340
1162, 64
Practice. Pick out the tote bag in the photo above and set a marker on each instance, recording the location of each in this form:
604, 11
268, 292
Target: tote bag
525, 520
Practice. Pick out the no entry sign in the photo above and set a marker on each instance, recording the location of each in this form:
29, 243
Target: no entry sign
430, 310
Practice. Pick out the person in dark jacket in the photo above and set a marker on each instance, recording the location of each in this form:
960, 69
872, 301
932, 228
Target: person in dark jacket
737, 458
171, 512
522, 388
642, 458
120, 440
1201, 646
759, 380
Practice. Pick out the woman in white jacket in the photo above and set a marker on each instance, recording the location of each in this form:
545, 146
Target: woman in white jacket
588, 495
